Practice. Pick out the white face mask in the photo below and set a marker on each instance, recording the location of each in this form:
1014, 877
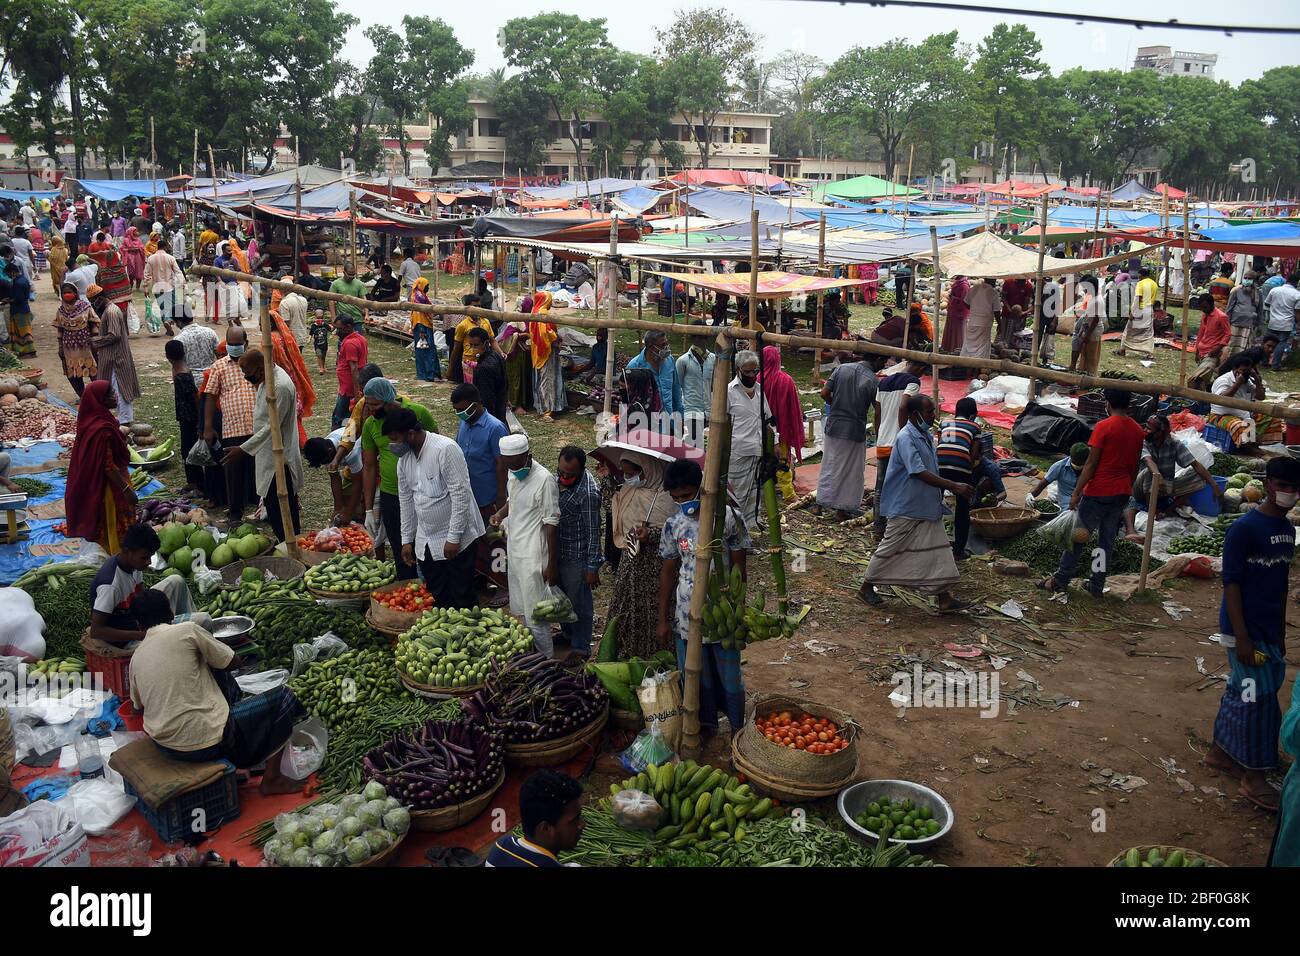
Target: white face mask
1286, 499
634, 482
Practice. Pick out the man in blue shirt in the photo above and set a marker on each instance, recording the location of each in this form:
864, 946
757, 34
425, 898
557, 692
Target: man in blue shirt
550, 811
580, 544
656, 357
478, 436
1065, 472
915, 551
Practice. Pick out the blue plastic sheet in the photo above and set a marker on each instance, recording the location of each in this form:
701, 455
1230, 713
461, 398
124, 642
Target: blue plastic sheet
116, 189
21, 194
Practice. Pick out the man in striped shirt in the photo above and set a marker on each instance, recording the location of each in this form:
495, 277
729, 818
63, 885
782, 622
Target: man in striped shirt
550, 809
959, 453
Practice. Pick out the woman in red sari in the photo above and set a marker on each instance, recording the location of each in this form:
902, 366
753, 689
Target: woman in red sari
783, 397
100, 500
133, 256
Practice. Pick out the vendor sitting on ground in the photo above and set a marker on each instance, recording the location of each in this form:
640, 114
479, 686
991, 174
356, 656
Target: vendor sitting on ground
181, 682
1166, 456
1064, 473
550, 810
120, 581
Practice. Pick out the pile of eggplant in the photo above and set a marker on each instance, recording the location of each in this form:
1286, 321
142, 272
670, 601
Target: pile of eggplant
160, 510
438, 764
533, 698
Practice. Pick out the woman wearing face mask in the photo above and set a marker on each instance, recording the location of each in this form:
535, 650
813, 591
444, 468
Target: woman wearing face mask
113, 357
638, 511
73, 324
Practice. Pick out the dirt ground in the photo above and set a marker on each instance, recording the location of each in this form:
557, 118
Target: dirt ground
1025, 785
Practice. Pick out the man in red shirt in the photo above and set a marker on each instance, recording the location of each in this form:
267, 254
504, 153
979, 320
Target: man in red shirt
1211, 343
353, 351
1016, 293
1114, 451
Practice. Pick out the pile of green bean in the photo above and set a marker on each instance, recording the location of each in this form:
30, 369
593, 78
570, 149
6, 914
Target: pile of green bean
605, 843
382, 720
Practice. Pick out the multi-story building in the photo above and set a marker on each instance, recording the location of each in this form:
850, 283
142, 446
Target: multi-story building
1170, 62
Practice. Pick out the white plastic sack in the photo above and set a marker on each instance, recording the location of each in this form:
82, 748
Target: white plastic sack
635, 810
98, 804
43, 834
205, 577
306, 750
23, 627
1201, 450
262, 681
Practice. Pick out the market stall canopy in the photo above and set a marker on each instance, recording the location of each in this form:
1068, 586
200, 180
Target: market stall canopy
573, 192
1173, 192
1281, 239
1019, 190
731, 177
735, 207
498, 225
863, 187
771, 285
986, 256
1132, 191
640, 198
401, 191
262, 188
115, 190
21, 194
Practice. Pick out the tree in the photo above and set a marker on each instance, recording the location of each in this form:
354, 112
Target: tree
1281, 119
37, 56
1006, 76
890, 91
795, 75
560, 55
349, 123
522, 109
638, 109
1097, 122
707, 53
418, 72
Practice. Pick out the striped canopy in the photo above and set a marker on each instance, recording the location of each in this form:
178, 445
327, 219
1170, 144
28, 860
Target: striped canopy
771, 285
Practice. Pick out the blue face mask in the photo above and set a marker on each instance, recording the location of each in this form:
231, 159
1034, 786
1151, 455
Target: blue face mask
521, 473
399, 448
234, 351
690, 508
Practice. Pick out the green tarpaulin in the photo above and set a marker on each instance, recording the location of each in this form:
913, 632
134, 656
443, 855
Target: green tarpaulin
863, 187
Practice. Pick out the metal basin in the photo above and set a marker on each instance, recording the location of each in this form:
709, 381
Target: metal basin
229, 628
854, 799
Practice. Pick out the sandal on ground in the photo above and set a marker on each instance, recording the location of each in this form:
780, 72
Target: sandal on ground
956, 607
870, 599
1230, 770
1048, 583
1264, 800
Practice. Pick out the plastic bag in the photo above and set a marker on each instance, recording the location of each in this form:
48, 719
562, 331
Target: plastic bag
322, 648
151, 318
555, 608
132, 323
23, 626
201, 455
306, 749
1201, 450
262, 681
649, 747
661, 704
635, 810
123, 848
98, 804
206, 578
1060, 530
328, 539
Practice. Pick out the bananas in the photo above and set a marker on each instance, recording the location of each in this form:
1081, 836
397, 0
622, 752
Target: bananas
729, 621
58, 665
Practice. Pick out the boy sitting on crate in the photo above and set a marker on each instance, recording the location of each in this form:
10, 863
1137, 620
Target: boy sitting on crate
182, 681
121, 579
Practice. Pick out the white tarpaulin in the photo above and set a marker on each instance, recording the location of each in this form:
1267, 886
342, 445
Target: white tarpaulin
985, 256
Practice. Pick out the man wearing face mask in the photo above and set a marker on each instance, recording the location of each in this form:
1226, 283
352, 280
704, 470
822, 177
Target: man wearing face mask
228, 389
656, 357
380, 464
478, 437
580, 540
748, 411
1257, 555
258, 446
440, 524
531, 522
695, 370
915, 551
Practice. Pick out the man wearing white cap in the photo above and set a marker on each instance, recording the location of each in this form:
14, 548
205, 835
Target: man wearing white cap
531, 521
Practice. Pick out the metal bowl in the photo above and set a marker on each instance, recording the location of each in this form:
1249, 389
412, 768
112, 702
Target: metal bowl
158, 465
228, 628
854, 799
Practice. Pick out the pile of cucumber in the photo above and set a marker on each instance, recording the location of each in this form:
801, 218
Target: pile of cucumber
350, 574
454, 648
700, 805
1134, 859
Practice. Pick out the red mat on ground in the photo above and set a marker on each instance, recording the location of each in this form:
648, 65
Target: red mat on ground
950, 390
255, 808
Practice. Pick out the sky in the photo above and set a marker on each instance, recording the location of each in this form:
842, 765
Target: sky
827, 29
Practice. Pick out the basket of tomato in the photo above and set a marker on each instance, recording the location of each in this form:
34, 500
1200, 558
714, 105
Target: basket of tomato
318, 547
803, 748
397, 607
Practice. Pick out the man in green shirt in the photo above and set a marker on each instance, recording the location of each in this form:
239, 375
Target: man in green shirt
379, 464
348, 285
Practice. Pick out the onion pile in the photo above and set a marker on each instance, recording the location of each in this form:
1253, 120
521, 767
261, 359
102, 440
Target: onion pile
439, 764
533, 698
32, 418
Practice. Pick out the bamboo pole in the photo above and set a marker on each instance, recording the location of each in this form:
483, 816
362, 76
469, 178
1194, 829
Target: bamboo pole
1096, 227
277, 438
297, 223
938, 300
1187, 279
352, 226
194, 217
153, 173
710, 504
613, 316
753, 269
1002, 366
1164, 253
907, 186
1038, 296
1153, 498
821, 298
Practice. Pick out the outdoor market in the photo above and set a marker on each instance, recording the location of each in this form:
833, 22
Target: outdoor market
685, 519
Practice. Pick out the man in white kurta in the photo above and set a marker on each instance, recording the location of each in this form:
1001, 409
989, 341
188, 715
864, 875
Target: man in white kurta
531, 521
251, 363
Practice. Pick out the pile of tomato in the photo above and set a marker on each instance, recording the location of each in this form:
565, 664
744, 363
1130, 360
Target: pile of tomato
350, 540
413, 596
816, 735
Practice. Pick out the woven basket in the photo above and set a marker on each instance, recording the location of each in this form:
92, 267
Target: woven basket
283, 569
798, 766
360, 598
626, 719
998, 524
386, 619
432, 690
784, 788
313, 558
448, 818
1165, 851
393, 632
548, 753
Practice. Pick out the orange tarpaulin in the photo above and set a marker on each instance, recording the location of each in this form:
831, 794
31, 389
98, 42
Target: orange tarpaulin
1021, 190
1173, 192
771, 285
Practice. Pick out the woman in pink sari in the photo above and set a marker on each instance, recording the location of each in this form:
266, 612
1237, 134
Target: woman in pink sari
871, 288
954, 330
133, 256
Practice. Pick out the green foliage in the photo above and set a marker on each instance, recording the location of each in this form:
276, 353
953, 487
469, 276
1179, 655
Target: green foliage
522, 109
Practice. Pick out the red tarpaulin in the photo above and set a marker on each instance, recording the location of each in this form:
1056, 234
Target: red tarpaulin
418, 196
727, 177
1173, 192
1020, 190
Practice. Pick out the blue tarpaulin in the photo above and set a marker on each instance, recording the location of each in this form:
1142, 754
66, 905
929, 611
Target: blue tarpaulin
1253, 232
580, 191
117, 189
21, 194
640, 198
735, 207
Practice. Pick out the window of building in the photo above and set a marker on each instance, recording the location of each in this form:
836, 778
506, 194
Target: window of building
489, 127
1187, 68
